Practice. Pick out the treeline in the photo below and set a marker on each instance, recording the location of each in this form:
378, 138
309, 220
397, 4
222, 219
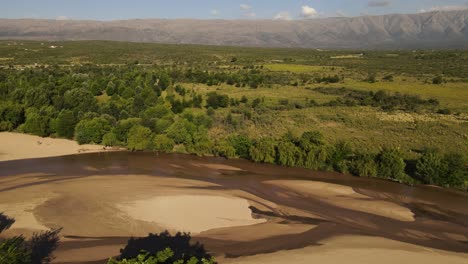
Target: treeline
126, 107
382, 99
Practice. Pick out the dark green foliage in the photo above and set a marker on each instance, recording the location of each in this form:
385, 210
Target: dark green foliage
65, 124
438, 80
364, 165
216, 100
181, 131
180, 245
382, 99
264, 150
391, 165
14, 251
123, 127
288, 154
38, 121
445, 170
80, 100
91, 131
139, 138
339, 155
242, 145
225, 149
17, 250
12, 115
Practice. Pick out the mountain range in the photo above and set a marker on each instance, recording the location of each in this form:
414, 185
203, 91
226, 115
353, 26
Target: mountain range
432, 30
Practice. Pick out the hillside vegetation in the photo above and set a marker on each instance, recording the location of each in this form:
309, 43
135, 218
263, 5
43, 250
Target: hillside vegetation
396, 115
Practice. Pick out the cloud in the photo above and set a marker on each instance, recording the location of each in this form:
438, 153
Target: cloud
215, 12
341, 13
444, 8
283, 16
308, 12
379, 3
245, 7
62, 18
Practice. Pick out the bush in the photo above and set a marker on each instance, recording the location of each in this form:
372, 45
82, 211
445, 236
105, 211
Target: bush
91, 131
443, 170
224, 149
364, 165
110, 140
264, 150
66, 123
391, 165
139, 138
162, 143
180, 245
438, 80
242, 145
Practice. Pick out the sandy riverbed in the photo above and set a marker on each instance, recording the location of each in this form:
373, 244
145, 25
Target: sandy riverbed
240, 213
15, 146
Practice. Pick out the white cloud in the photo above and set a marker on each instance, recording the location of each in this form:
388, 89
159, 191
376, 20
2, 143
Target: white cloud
444, 8
245, 7
215, 12
283, 16
62, 18
308, 12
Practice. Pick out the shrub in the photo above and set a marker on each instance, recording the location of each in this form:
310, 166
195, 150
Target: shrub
391, 165
364, 165
110, 140
139, 138
91, 131
163, 143
264, 150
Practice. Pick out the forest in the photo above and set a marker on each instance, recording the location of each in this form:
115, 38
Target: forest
319, 110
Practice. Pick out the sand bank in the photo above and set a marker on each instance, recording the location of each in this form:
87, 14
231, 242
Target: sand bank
14, 146
346, 197
192, 213
356, 249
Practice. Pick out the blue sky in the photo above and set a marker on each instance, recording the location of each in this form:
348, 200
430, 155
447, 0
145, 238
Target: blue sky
210, 9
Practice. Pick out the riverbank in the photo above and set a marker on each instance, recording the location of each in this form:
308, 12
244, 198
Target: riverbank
16, 146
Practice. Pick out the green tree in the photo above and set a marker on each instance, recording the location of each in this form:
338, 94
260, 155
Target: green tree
80, 100
91, 131
288, 154
123, 128
110, 140
241, 144
139, 138
182, 131
65, 124
364, 165
391, 165
264, 150
223, 148
163, 143
431, 168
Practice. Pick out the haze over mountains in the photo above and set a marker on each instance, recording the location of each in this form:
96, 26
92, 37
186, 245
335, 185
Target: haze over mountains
398, 31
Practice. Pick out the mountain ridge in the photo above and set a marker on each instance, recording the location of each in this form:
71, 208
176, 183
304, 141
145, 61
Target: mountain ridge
443, 29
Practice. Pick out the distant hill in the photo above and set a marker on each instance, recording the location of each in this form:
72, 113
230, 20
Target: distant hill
427, 30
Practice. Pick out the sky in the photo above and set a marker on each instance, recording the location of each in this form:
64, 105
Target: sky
212, 9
